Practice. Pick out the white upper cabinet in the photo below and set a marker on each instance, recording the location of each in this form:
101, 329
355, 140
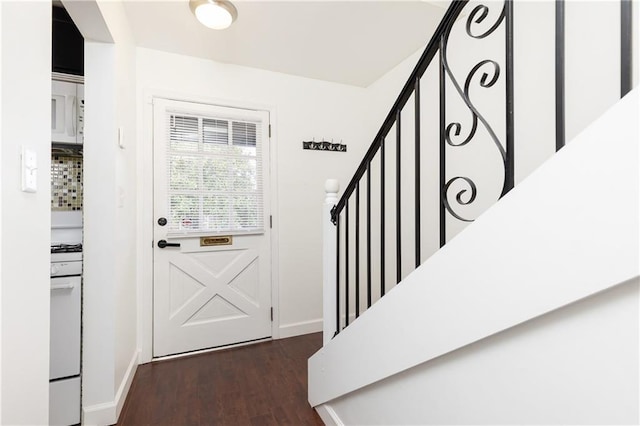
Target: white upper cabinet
67, 112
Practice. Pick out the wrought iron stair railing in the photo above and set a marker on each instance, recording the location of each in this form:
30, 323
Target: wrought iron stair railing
354, 278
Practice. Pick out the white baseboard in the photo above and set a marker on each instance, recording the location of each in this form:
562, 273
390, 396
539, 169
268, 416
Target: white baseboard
125, 385
107, 413
328, 416
99, 414
300, 328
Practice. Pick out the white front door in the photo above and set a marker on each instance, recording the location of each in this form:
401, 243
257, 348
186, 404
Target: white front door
212, 277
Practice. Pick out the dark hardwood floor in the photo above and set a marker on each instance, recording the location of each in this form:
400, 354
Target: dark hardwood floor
260, 384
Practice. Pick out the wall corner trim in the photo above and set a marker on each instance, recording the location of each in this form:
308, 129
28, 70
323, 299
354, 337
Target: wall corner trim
300, 328
328, 415
99, 414
107, 413
125, 385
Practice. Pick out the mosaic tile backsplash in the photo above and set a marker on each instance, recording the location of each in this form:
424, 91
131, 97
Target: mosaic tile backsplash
66, 183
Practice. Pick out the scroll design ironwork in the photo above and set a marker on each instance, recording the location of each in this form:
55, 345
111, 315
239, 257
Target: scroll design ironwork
491, 73
459, 195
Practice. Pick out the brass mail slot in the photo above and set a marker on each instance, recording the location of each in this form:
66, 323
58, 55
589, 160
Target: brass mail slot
226, 240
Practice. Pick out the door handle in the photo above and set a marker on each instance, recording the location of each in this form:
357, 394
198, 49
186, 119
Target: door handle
63, 286
74, 117
164, 243
70, 107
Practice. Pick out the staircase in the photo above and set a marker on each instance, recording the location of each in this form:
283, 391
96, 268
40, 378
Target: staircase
431, 296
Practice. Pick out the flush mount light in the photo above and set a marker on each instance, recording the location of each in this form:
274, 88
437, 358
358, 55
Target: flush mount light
216, 14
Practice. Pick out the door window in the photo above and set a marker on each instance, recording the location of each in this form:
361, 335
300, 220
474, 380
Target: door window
214, 173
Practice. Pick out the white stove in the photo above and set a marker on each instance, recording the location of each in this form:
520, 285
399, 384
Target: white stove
66, 301
66, 259
66, 248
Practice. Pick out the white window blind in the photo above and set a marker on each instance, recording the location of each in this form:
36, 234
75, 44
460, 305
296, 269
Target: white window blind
214, 175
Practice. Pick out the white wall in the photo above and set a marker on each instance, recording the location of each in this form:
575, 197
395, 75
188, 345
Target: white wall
110, 352
590, 86
25, 85
99, 248
302, 109
0, 224
577, 365
567, 232
125, 314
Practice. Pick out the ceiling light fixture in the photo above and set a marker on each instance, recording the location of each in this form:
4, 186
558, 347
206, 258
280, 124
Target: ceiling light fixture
216, 14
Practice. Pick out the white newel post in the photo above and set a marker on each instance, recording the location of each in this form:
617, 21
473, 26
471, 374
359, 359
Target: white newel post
331, 188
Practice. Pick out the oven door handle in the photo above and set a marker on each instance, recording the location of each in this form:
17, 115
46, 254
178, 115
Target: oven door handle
63, 286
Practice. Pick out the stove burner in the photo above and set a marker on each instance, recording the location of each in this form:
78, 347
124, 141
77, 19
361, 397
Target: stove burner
66, 248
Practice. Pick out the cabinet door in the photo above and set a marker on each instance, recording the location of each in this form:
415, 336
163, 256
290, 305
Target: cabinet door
64, 354
64, 402
64, 107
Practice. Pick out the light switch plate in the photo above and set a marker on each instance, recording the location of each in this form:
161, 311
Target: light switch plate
29, 170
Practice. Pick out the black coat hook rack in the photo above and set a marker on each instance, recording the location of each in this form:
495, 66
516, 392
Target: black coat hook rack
324, 145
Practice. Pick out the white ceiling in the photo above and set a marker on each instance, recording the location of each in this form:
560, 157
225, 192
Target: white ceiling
351, 42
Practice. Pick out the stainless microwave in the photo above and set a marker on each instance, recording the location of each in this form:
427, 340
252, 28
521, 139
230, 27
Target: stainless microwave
67, 112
